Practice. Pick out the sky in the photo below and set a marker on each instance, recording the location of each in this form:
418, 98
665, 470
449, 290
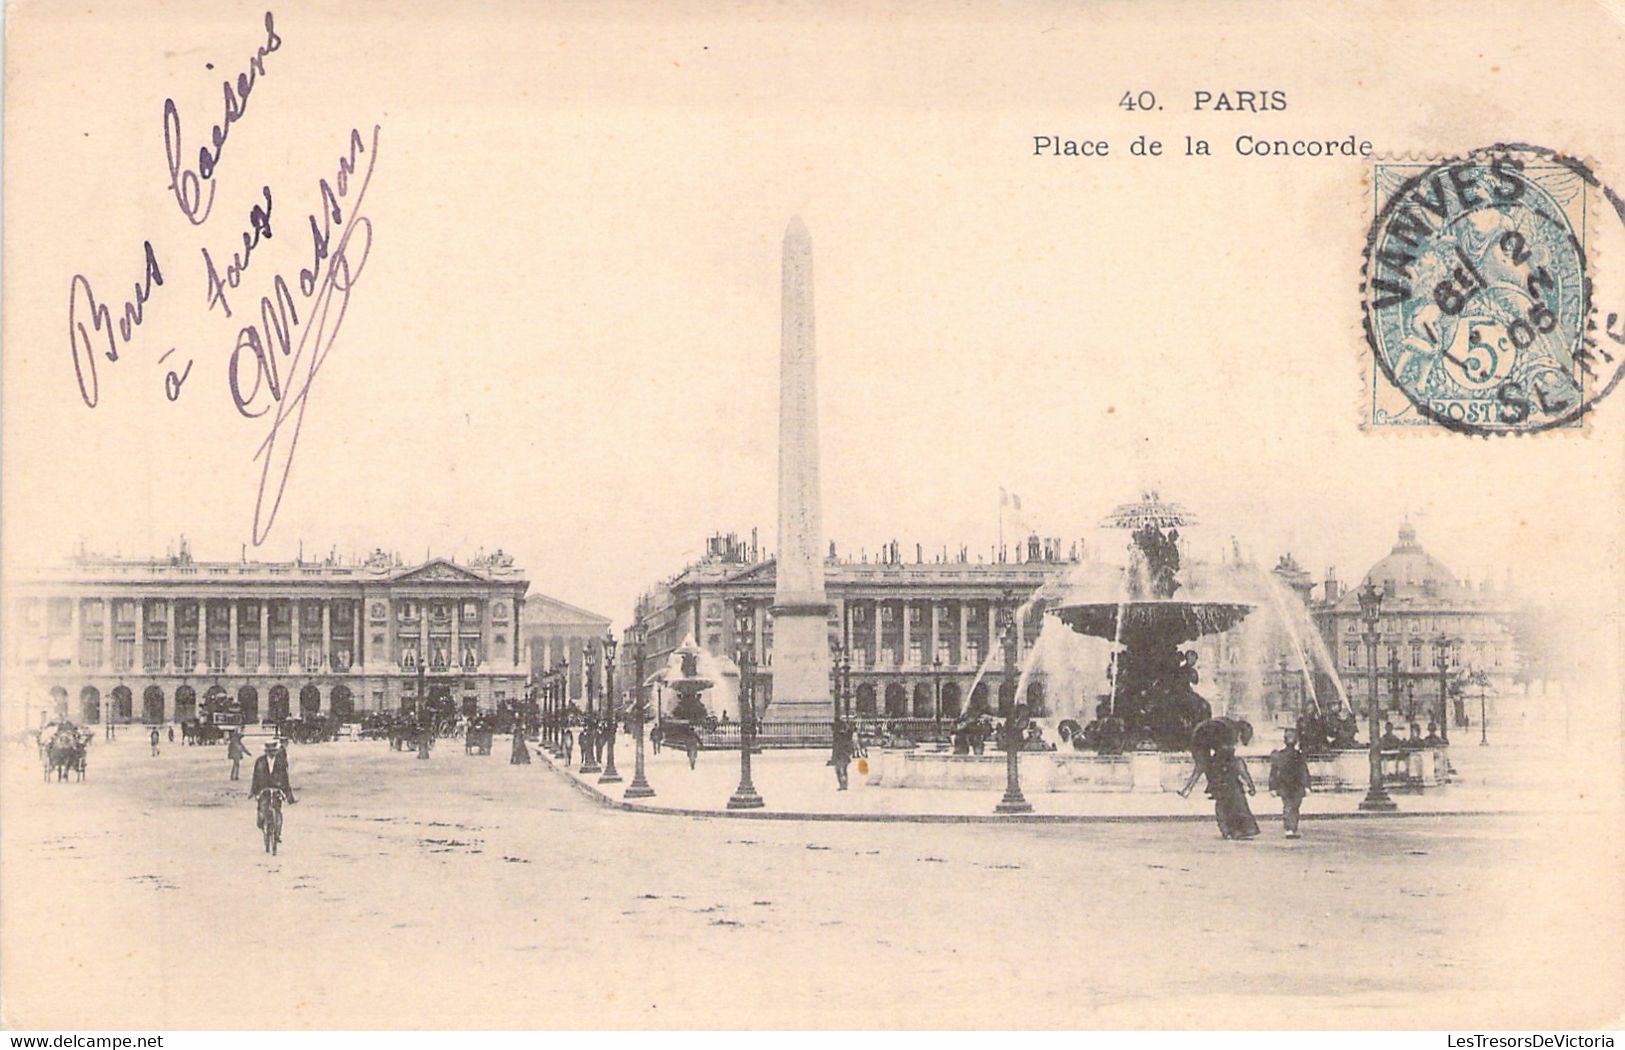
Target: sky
564, 341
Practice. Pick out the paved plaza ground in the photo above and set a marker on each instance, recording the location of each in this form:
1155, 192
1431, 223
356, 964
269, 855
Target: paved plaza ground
466, 892
1528, 778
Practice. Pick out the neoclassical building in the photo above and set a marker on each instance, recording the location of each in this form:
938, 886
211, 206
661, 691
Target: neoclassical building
167, 639
918, 631
1426, 611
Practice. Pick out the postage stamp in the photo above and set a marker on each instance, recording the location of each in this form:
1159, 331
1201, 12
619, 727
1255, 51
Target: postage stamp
1477, 295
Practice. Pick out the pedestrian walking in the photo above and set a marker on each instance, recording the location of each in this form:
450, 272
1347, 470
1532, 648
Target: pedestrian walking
236, 751
171, 734
840, 755
154, 737
1289, 778
1226, 777
521, 754
569, 745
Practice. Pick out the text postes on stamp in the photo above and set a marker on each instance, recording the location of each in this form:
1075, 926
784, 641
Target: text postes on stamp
1476, 293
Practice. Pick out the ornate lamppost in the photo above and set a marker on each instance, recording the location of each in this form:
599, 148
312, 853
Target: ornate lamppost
835, 652
1441, 659
843, 667
1483, 713
1376, 798
936, 690
589, 727
639, 788
1013, 801
1395, 694
610, 717
745, 796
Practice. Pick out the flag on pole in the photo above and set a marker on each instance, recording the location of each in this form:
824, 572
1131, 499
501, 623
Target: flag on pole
1015, 501
1004, 497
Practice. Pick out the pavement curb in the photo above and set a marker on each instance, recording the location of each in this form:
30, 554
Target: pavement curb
602, 799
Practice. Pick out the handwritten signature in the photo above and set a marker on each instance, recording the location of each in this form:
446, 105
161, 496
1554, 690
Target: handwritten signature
273, 366
279, 370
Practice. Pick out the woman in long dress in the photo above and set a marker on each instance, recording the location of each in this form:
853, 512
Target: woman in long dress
1227, 775
521, 753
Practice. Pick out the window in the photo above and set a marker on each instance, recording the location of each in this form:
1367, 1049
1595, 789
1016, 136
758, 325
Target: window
281, 653
251, 654
219, 651
471, 611
124, 654
312, 661
90, 652
408, 610
1416, 655
470, 656
1351, 656
153, 653
90, 618
186, 652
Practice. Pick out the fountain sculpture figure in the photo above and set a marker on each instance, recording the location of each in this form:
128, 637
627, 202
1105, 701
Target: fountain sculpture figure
1153, 700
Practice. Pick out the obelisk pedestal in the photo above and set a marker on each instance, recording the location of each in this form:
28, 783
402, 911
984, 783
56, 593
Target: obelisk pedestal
801, 661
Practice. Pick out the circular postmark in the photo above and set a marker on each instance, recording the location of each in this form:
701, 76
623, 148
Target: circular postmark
1476, 294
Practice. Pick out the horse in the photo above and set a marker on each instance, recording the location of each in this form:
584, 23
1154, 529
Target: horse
65, 752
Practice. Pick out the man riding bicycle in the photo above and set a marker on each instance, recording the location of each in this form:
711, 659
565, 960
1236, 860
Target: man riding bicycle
270, 773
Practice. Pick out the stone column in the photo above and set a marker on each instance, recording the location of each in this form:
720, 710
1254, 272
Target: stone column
233, 652
327, 634
932, 608
296, 641
760, 641
518, 606
908, 637
172, 646
140, 634
874, 629
457, 634
265, 635
992, 632
423, 636
107, 635
959, 656
357, 662
76, 631
202, 663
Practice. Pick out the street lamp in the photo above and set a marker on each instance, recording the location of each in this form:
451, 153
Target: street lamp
589, 728
610, 713
1394, 692
1441, 658
745, 796
936, 688
843, 668
836, 651
639, 788
1376, 798
1013, 801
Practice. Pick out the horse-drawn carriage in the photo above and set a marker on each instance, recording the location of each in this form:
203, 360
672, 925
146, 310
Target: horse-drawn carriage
63, 748
477, 739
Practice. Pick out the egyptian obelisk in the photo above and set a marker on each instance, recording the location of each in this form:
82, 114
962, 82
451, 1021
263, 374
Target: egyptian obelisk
801, 664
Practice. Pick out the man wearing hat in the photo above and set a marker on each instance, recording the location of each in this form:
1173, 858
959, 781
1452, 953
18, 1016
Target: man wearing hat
270, 771
1289, 778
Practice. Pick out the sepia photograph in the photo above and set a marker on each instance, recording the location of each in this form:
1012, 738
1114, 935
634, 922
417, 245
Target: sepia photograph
813, 517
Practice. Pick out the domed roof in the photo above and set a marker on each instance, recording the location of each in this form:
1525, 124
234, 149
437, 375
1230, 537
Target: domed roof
1410, 572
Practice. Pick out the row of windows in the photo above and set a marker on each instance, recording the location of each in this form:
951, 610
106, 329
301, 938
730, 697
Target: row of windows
58, 612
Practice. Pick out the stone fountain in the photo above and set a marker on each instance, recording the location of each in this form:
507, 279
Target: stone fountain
1153, 700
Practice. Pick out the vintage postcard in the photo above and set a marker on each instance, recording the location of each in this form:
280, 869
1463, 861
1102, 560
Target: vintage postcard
813, 516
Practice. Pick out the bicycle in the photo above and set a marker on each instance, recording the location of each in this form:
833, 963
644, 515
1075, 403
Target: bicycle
270, 817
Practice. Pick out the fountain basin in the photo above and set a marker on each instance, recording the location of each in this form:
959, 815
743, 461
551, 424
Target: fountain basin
1139, 772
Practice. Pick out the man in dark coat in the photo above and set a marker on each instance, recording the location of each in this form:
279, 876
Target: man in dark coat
1389, 741
840, 755
1289, 778
271, 770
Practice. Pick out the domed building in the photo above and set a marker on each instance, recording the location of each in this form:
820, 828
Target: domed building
1430, 620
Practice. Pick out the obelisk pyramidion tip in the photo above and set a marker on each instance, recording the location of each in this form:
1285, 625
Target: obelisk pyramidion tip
797, 230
